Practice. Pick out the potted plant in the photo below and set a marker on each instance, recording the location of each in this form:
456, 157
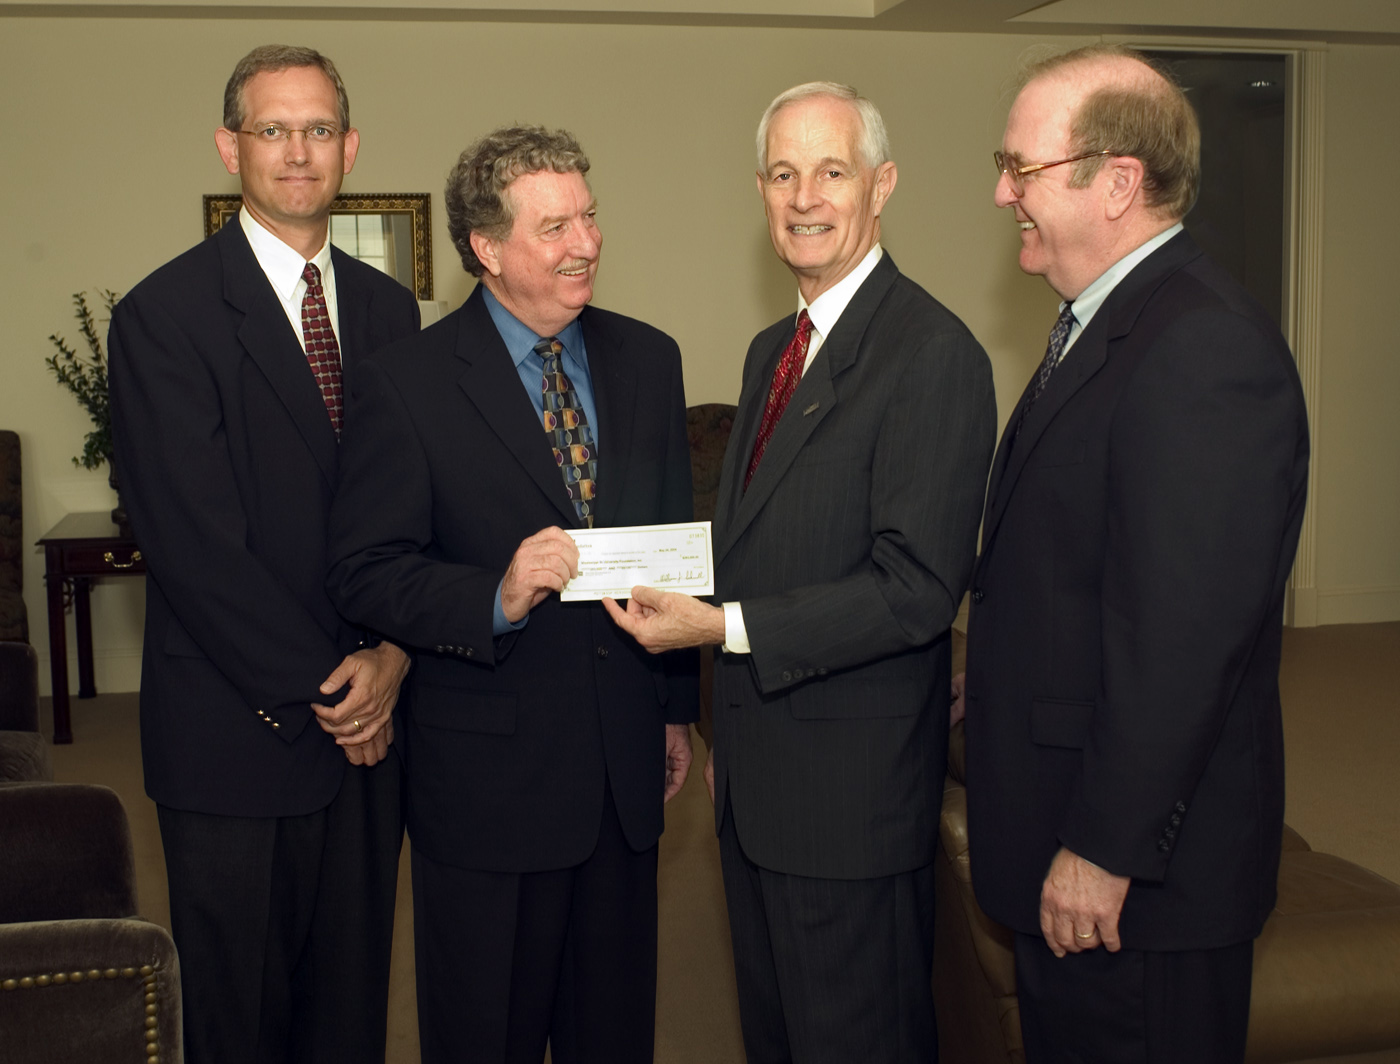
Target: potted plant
85, 375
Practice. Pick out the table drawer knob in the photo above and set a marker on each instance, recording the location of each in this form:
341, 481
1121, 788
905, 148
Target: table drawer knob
110, 559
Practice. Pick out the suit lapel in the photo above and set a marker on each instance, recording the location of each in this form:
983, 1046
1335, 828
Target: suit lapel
1114, 320
492, 385
354, 309
267, 337
614, 398
812, 402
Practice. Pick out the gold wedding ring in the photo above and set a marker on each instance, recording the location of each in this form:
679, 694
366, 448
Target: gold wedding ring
1089, 935
358, 727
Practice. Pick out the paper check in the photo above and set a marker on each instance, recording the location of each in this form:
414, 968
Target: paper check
612, 561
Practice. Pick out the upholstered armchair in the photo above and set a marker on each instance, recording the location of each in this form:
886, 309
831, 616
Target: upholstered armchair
81, 976
707, 427
24, 753
14, 622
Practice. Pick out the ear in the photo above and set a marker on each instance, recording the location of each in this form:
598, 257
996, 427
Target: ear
226, 140
758, 177
488, 251
886, 176
1124, 186
352, 148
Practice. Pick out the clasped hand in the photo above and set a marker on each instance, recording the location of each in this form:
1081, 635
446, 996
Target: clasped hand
362, 722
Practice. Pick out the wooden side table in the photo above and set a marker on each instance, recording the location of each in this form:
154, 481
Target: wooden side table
77, 550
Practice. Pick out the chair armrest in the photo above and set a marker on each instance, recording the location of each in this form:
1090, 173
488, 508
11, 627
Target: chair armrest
24, 757
67, 852
89, 990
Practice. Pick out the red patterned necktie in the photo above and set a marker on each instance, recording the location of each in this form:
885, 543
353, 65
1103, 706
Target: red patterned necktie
322, 351
785, 379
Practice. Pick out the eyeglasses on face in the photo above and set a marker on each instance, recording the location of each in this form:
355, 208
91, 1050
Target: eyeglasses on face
1014, 174
272, 133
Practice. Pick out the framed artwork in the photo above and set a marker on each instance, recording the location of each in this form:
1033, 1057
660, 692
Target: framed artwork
388, 231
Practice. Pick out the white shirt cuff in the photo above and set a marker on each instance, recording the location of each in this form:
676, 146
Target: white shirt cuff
736, 636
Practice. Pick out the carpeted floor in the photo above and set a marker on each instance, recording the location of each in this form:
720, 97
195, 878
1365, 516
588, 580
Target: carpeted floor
1341, 695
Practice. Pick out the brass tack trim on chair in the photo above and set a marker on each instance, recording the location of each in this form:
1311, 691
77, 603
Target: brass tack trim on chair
148, 973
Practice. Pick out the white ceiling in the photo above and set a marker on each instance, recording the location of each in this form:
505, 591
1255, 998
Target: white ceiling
1357, 20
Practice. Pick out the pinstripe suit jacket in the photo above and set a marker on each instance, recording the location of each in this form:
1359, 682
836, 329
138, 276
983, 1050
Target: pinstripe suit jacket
850, 552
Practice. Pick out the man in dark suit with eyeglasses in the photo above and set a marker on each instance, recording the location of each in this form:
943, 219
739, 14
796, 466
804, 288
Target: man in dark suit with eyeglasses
265, 717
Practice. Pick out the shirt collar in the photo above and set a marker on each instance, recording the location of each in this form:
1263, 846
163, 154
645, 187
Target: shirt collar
828, 307
282, 263
520, 339
1093, 297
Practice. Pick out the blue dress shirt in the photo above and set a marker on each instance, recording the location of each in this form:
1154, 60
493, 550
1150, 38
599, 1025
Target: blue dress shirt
520, 341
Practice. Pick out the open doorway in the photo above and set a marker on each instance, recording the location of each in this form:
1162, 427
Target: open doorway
1241, 217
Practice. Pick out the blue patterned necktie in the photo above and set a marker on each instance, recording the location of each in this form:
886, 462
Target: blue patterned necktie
570, 434
1054, 352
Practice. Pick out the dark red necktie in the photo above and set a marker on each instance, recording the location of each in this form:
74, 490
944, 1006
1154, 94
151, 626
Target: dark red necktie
785, 379
322, 351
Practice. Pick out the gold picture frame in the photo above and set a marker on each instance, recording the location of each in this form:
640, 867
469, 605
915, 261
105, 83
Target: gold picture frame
390, 231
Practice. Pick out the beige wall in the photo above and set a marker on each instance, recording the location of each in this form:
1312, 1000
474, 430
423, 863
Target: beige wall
107, 147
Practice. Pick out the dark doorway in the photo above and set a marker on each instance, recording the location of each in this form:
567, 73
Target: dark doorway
1240, 217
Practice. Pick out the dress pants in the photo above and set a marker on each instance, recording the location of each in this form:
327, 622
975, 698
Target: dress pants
284, 926
507, 961
831, 971
1133, 1007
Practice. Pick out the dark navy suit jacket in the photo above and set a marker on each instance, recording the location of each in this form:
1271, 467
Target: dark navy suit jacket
1123, 647
228, 462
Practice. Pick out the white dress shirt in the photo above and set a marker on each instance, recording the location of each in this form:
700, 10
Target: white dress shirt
1092, 298
283, 266
825, 311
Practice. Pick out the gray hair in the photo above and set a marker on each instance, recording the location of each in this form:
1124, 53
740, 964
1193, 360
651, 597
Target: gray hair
270, 58
476, 187
874, 145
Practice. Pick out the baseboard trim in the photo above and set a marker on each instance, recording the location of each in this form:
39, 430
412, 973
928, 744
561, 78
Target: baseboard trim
1358, 605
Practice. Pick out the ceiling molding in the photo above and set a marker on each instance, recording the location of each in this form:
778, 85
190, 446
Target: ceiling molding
1355, 21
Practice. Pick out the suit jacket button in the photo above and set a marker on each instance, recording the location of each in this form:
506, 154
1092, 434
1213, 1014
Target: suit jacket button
787, 675
603, 652
1164, 846
1181, 807
1175, 820
439, 648
469, 652
821, 671
977, 595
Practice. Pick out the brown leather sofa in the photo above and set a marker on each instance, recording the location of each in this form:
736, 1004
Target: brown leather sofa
81, 977
1326, 968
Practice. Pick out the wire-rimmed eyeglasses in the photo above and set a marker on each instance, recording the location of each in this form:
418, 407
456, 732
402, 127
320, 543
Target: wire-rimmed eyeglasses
1014, 174
272, 133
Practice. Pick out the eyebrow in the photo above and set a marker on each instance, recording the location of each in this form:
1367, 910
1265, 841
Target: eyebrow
555, 219
829, 161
